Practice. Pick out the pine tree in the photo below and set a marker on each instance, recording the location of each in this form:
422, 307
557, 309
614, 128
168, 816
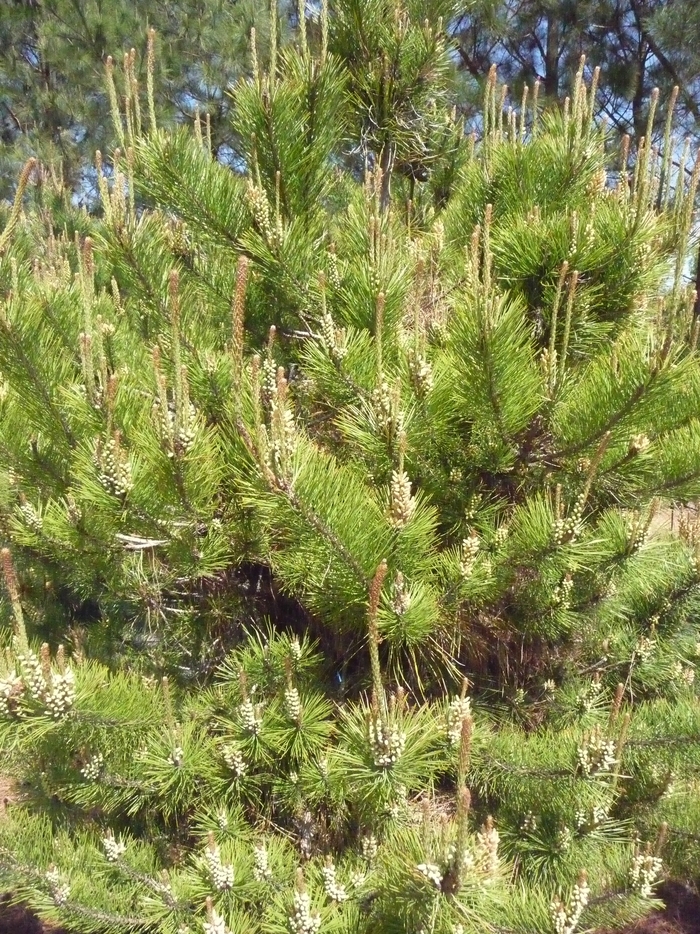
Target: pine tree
53, 105
330, 488
637, 44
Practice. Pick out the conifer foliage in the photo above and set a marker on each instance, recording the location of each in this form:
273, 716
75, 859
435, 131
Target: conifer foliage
330, 486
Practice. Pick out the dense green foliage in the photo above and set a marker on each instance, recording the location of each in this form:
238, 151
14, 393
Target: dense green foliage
337, 482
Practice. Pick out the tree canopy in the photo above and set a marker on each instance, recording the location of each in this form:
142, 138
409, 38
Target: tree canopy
53, 54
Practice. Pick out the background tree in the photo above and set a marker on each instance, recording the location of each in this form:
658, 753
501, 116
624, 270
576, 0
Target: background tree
53, 103
638, 45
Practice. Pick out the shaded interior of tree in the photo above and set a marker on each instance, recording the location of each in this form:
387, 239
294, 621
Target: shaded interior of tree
14, 919
681, 915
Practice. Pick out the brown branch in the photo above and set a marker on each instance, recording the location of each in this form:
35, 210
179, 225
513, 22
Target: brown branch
469, 62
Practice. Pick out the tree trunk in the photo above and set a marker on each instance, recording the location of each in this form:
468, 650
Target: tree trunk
638, 110
551, 63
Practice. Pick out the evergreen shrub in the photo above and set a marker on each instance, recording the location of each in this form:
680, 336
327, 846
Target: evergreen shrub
328, 493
